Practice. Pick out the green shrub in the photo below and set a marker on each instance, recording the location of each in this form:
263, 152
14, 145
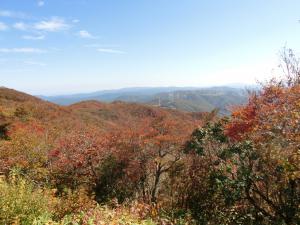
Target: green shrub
20, 203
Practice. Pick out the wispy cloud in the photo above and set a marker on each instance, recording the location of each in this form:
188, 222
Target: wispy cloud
6, 13
13, 14
112, 49
34, 63
21, 50
3, 26
20, 26
109, 50
86, 34
75, 21
53, 25
97, 45
31, 37
93, 46
40, 3
14, 71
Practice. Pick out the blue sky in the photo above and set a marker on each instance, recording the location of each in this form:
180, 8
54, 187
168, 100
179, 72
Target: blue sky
67, 46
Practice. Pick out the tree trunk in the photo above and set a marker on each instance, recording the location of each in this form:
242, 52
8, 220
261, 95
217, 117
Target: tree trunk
156, 181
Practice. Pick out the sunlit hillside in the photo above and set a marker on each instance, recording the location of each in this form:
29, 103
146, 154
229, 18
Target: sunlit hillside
149, 112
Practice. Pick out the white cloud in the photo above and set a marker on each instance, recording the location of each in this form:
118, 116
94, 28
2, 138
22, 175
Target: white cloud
3, 26
40, 3
21, 50
52, 25
30, 37
109, 50
20, 26
75, 21
34, 63
12, 14
97, 45
85, 34
94, 46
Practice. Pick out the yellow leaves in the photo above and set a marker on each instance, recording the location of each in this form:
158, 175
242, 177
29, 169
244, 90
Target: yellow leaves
20, 203
26, 148
102, 215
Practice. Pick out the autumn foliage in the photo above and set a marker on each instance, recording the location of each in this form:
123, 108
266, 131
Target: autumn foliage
251, 159
112, 162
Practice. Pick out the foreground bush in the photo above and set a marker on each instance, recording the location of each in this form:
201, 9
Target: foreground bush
250, 161
104, 215
20, 203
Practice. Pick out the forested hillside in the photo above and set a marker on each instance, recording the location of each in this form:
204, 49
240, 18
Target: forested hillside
205, 100
149, 112
88, 152
128, 163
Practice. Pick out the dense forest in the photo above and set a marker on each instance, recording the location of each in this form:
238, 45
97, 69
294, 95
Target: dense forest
129, 163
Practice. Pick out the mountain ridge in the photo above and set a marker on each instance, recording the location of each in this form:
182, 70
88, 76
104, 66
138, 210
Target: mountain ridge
192, 99
19, 106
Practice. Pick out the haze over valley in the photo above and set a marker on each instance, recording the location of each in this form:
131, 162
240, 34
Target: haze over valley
185, 98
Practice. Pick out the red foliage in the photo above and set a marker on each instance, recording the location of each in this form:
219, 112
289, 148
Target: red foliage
78, 154
243, 121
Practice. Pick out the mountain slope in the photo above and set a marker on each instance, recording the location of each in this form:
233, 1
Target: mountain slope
137, 94
122, 114
185, 99
202, 100
20, 107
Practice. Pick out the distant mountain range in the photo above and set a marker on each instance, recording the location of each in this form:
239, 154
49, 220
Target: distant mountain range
135, 94
189, 99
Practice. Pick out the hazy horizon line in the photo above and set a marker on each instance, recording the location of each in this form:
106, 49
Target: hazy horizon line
231, 85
